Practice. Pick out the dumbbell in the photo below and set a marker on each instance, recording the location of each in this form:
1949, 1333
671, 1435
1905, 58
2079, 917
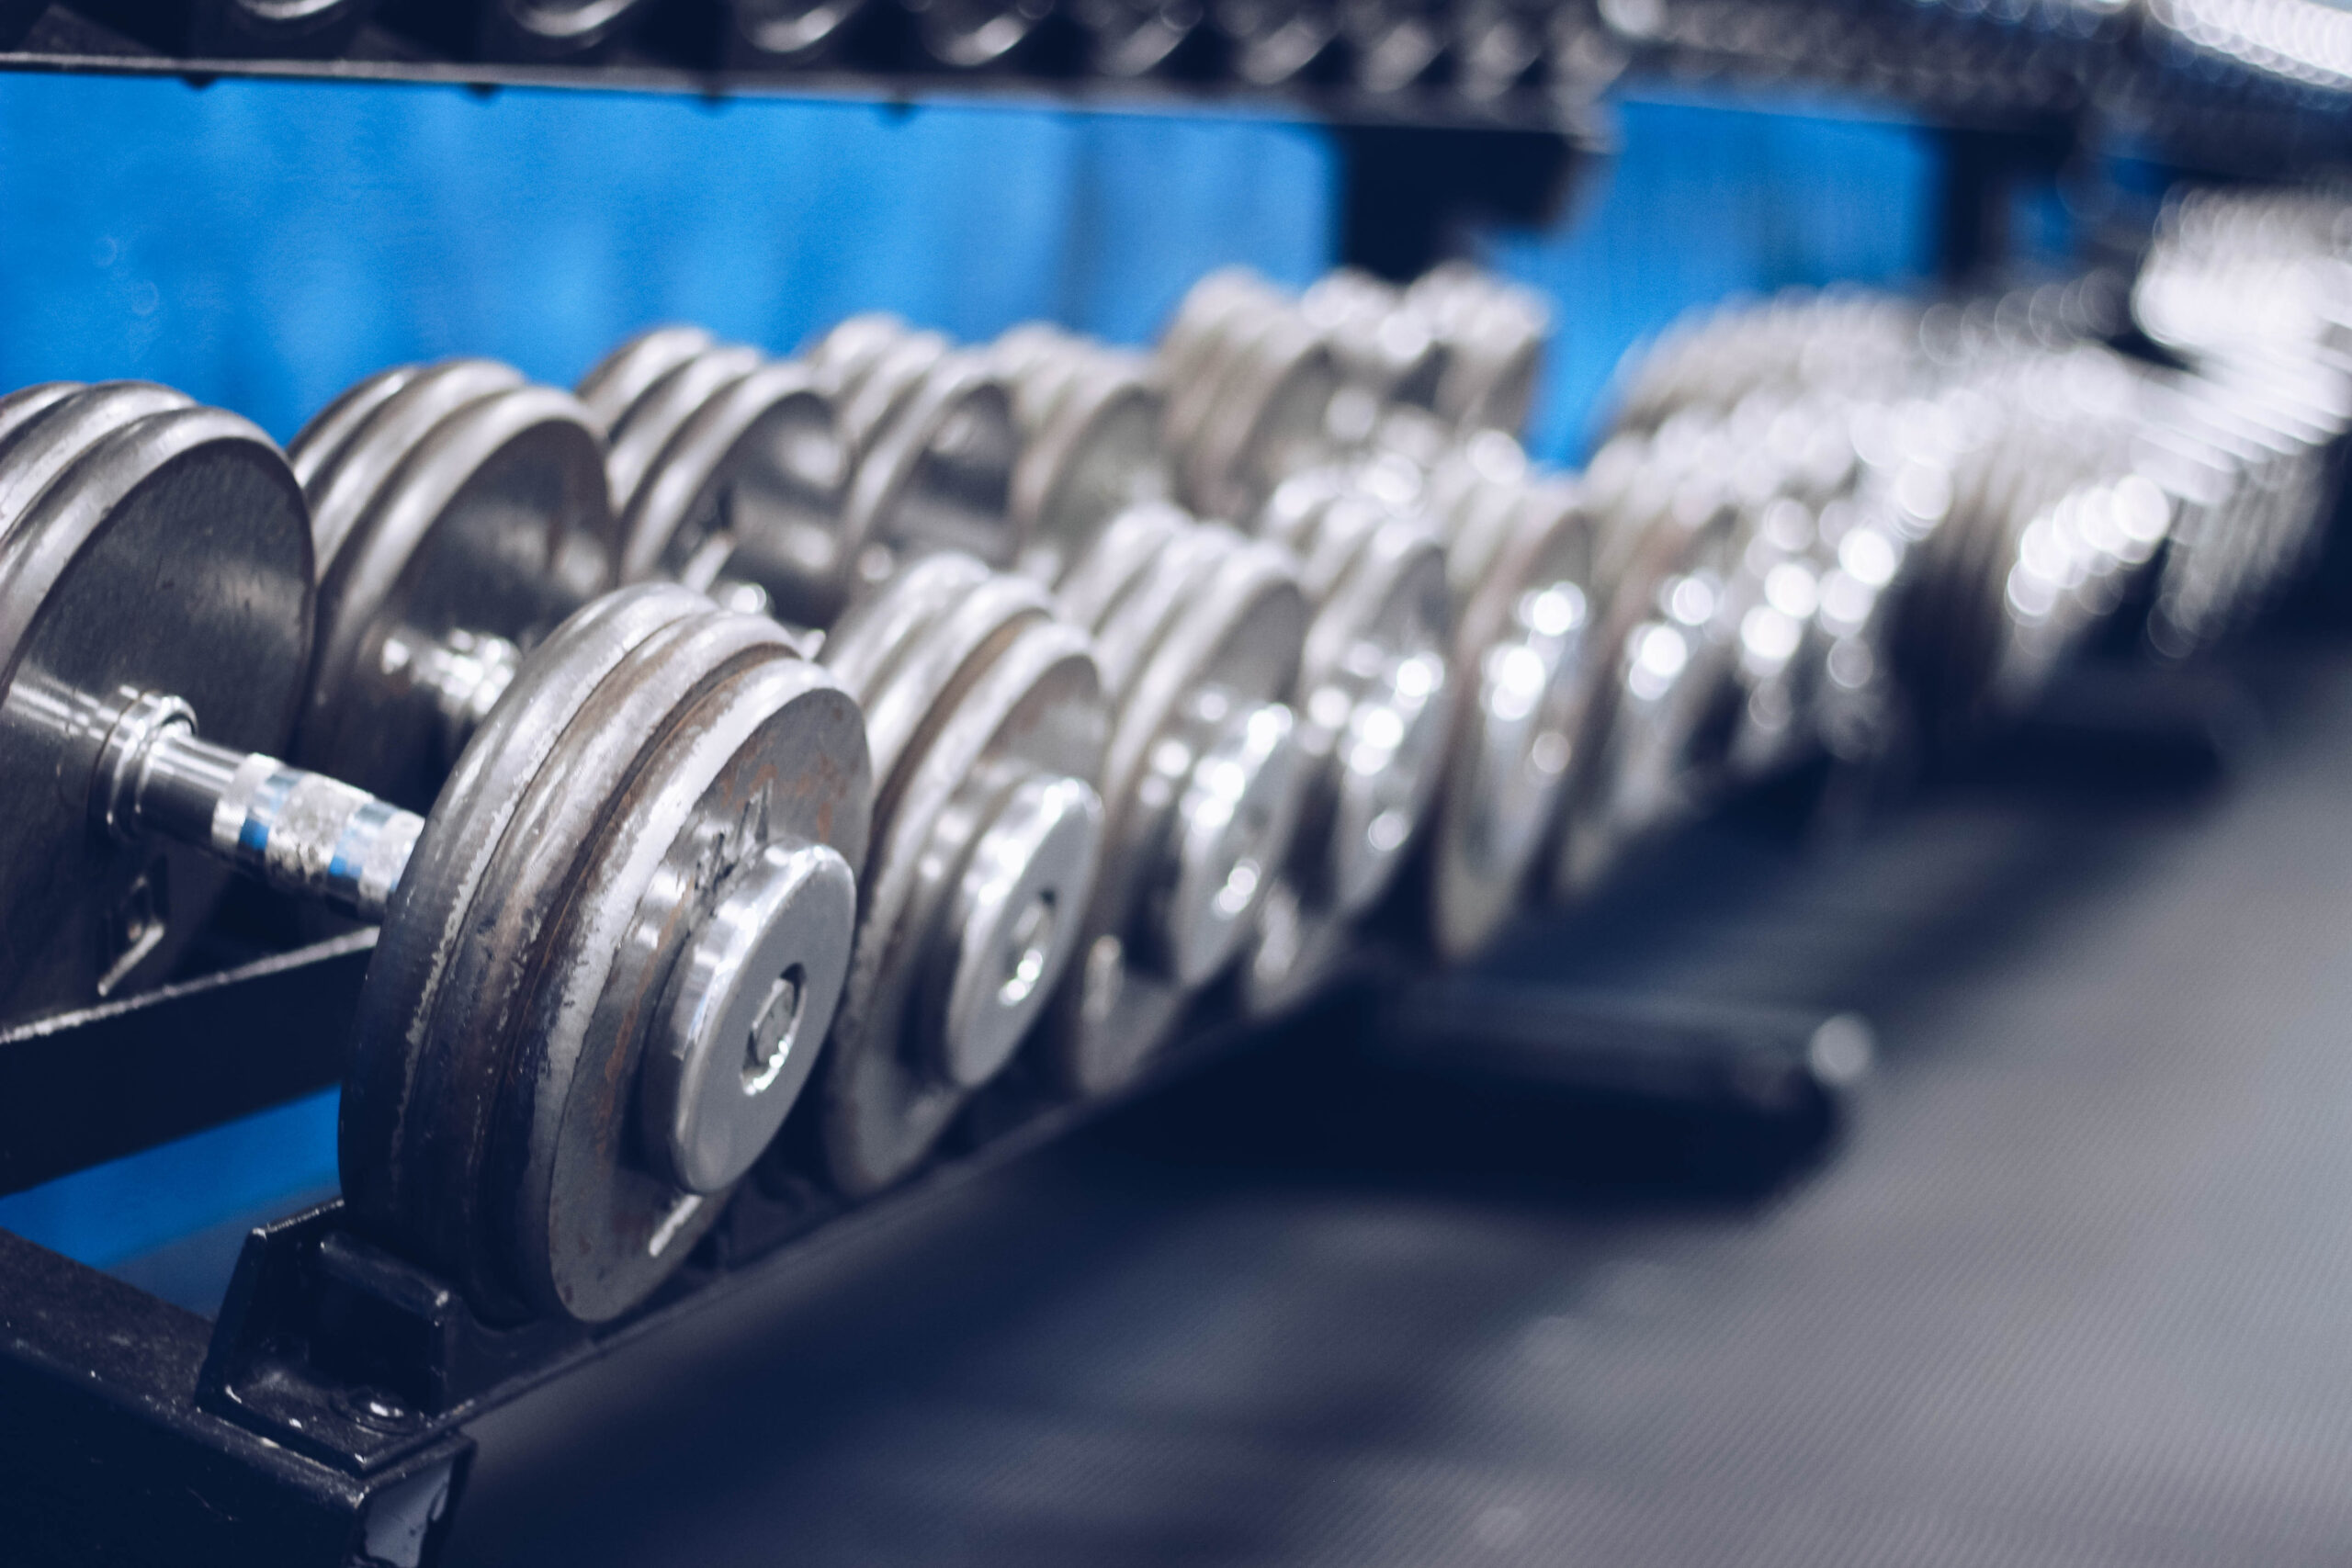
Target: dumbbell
731, 471
1670, 557
1269, 43
1200, 632
1126, 38
988, 727
605, 957
1088, 417
459, 512
1393, 44
974, 35
1520, 555
934, 441
1372, 700
1250, 386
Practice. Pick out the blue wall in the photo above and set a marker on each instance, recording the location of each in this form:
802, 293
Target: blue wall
261, 245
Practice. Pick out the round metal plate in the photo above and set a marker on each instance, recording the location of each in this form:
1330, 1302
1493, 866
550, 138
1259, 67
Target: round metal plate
937, 475
760, 468
649, 744
1097, 455
615, 382
146, 544
1239, 627
460, 506
635, 441
1035, 705
1522, 661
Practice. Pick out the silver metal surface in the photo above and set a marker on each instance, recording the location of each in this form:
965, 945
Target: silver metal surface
935, 442
647, 758
1089, 418
1200, 633
987, 719
1373, 697
453, 504
745, 1013
727, 469
146, 545
1520, 560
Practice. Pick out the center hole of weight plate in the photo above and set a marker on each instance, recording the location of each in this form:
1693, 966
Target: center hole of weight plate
773, 1030
1030, 943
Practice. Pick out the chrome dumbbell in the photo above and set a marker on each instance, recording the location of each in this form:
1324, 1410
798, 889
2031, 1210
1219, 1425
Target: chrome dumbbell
728, 470
733, 470
1521, 572
989, 728
932, 438
1458, 344
1200, 633
1090, 423
604, 956
1272, 41
1250, 386
459, 512
1373, 702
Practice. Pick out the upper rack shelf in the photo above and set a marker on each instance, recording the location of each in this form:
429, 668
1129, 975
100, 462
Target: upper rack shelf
2254, 85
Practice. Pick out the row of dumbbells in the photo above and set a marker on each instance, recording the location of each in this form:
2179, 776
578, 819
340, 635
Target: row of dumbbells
1903, 519
933, 753
923, 749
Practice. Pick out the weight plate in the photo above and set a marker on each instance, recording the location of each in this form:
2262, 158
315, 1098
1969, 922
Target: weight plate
1023, 701
649, 744
169, 552
490, 519
750, 488
1095, 454
615, 382
936, 476
635, 441
1233, 639
1522, 645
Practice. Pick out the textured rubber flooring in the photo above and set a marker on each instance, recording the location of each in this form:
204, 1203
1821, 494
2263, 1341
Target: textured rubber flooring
2076, 1287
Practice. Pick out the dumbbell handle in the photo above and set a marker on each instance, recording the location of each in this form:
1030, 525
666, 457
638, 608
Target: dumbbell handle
299, 832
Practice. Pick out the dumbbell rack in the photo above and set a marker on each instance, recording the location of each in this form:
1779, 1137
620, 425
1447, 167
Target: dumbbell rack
320, 1418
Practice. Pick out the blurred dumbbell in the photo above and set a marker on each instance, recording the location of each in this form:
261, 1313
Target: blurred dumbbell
987, 721
1200, 632
932, 440
605, 957
1089, 420
729, 471
972, 35
527, 32
1520, 570
1373, 698
1249, 394
1269, 43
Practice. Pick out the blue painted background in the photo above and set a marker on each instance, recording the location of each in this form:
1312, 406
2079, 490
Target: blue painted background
262, 245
